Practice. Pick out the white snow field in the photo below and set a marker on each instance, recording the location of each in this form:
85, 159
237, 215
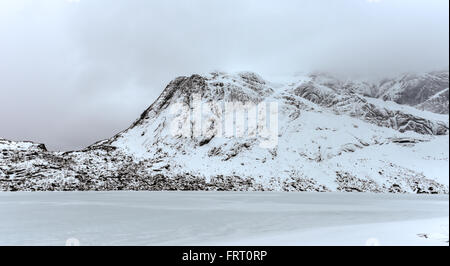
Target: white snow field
222, 218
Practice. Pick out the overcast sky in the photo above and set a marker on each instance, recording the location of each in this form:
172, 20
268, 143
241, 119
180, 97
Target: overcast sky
76, 71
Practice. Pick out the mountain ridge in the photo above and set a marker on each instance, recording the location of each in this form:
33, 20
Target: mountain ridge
331, 137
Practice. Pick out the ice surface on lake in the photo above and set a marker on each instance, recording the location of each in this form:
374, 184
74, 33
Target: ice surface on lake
222, 218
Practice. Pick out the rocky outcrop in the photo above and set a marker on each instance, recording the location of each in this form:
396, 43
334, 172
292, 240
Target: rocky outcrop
436, 104
356, 106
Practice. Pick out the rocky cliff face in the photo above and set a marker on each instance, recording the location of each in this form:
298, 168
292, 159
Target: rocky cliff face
331, 135
417, 90
438, 103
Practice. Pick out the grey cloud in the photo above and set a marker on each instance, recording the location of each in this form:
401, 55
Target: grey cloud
73, 73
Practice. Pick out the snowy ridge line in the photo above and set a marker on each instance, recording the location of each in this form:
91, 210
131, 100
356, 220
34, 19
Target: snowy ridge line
331, 136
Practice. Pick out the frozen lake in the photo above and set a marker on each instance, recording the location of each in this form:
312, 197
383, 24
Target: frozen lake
222, 218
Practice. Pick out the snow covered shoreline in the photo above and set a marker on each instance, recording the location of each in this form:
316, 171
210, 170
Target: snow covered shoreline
222, 218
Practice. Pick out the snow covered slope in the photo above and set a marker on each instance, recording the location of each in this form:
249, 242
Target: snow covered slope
330, 136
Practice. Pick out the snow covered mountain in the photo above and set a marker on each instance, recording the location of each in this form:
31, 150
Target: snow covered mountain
331, 135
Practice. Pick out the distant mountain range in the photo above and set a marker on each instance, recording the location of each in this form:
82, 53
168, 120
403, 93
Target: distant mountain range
222, 131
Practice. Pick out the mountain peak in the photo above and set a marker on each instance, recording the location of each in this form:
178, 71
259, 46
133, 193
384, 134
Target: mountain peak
331, 135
